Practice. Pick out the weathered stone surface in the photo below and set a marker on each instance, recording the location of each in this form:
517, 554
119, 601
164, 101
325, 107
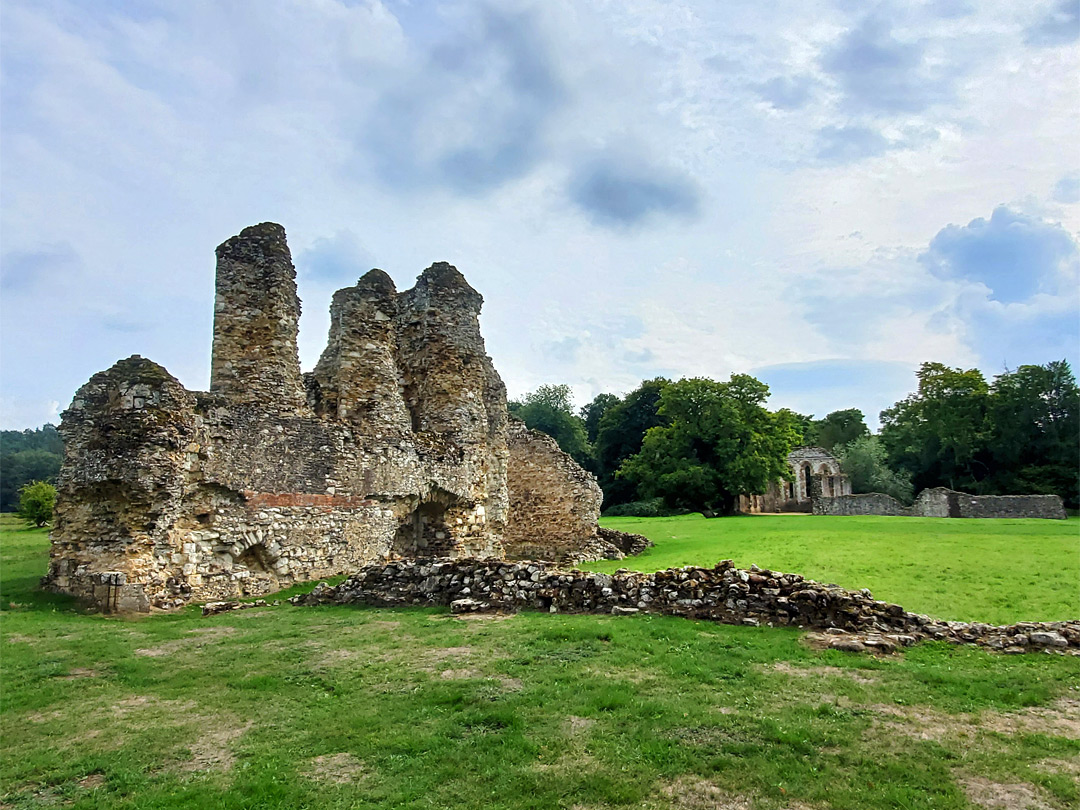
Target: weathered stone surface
394, 446
851, 620
942, 502
554, 503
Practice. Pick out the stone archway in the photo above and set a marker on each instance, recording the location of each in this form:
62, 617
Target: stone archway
805, 486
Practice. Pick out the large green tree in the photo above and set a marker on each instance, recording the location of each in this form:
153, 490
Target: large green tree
939, 433
619, 436
550, 409
720, 441
837, 429
1034, 432
594, 412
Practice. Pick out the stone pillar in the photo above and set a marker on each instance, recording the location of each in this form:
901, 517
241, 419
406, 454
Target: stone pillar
357, 374
256, 319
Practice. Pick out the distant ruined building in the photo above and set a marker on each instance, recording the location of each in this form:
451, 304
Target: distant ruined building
398, 444
815, 472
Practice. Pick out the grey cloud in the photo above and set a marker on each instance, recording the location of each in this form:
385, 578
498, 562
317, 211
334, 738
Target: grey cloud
1058, 27
475, 116
623, 192
1013, 254
847, 144
26, 271
786, 92
879, 73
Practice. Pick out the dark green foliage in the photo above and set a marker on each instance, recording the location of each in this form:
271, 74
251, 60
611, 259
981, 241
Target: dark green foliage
594, 412
36, 502
654, 507
1034, 432
865, 462
25, 456
836, 429
549, 409
720, 441
620, 434
1019, 435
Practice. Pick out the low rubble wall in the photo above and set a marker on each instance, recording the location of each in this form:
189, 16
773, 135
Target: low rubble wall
871, 503
725, 594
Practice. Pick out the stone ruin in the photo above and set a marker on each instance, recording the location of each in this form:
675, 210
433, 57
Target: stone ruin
397, 445
942, 502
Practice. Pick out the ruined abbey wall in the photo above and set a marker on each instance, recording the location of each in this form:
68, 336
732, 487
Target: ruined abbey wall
945, 503
394, 446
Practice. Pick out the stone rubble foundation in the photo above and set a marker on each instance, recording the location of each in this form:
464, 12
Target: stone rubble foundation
851, 620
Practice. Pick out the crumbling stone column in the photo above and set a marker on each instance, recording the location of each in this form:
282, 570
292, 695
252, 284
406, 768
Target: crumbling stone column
256, 320
356, 377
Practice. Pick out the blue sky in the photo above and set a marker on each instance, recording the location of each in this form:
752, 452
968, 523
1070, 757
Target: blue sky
824, 194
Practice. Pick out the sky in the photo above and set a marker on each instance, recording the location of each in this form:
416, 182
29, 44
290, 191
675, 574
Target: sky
823, 193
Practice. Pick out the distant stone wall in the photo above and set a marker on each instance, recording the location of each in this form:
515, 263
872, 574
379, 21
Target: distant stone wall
945, 503
394, 446
871, 503
725, 594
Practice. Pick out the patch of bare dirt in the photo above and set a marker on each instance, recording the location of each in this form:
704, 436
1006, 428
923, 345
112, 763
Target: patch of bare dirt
18, 638
859, 676
384, 624
460, 674
92, 782
508, 683
443, 653
483, 617
1000, 796
211, 750
337, 769
692, 793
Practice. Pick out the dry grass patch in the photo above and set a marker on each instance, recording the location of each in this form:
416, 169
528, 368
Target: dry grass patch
203, 636
787, 668
1001, 796
693, 793
211, 750
80, 672
1068, 767
1061, 719
135, 703
573, 725
336, 769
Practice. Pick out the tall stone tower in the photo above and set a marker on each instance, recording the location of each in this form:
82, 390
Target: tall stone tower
256, 321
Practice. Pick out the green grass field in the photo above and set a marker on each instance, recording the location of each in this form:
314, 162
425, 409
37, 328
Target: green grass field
339, 707
997, 571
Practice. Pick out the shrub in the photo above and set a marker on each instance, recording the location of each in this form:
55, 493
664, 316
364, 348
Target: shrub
653, 507
36, 502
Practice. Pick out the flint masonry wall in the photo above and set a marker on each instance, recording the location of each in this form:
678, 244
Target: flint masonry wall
394, 446
946, 503
554, 503
723, 593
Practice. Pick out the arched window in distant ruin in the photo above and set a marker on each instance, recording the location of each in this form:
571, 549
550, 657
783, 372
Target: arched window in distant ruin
807, 475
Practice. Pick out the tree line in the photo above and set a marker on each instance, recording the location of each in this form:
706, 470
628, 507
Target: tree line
27, 456
696, 444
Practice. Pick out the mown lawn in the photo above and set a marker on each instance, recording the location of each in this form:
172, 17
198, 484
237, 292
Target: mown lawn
338, 707
997, 571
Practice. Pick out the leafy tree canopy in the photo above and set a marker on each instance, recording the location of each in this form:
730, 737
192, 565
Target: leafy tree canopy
594, 412
550, 409
620, 433
719, 441
865, 462
36, 502
837, 429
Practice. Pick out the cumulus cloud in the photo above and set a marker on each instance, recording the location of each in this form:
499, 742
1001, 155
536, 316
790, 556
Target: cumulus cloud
622, 191
1059, 25
473, 115
1013, 254
878, 72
